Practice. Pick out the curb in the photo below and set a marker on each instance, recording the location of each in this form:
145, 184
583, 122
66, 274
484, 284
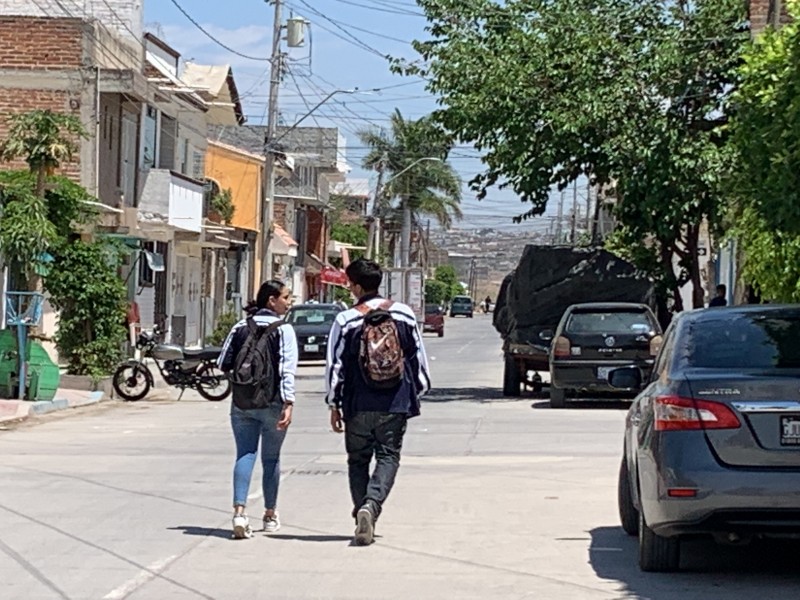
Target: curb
20, 410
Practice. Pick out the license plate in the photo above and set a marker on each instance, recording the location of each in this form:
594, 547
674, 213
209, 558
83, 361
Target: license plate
311, 347
790, 431
602, 372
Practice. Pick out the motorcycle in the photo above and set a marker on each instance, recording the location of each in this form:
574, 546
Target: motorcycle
180, 367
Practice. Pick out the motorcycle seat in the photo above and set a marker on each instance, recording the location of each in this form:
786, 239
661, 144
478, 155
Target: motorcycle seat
209, 353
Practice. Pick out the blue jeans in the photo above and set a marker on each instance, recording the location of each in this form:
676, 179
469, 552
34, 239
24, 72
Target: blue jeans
248, 427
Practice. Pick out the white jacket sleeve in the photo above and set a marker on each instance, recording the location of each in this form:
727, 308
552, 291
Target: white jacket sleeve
287, 366
334, 376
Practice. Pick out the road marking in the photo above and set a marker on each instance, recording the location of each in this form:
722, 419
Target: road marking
155, 569
149, 573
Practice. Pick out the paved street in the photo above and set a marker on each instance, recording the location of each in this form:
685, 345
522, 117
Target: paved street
495, 499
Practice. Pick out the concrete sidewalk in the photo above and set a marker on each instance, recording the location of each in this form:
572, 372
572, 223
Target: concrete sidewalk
20, 410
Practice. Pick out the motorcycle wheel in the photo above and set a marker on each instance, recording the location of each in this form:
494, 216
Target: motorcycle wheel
213, 383
127, 381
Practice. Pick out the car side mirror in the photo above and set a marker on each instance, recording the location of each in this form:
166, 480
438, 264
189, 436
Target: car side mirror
627, 378
546, 335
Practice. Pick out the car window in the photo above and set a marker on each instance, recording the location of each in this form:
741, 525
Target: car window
311, 316
665, 354
609, 322
745, 341
462, 301
432, 309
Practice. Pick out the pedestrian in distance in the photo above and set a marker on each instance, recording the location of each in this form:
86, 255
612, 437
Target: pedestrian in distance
376, 373
721, 298
260, 354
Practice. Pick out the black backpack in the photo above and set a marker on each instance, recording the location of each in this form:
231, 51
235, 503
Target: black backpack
253, 377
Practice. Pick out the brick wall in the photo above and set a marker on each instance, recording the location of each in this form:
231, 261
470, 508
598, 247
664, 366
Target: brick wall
35, 43
18, 101
279, 214
316, 232
762, 11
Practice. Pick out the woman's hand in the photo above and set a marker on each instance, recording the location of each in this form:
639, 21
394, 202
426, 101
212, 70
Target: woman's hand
286, 416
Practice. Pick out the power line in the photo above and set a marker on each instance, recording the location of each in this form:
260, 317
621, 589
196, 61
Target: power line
214, 39
350, 38
392, 11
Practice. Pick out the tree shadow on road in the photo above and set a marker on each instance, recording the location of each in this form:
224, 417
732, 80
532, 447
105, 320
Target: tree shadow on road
585, 403
202, 531
468, 394
765, 569
311, 538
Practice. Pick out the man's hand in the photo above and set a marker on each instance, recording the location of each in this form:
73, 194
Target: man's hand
336, 421
286, 417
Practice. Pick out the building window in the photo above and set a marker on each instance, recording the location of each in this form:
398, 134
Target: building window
150, 137
185, 153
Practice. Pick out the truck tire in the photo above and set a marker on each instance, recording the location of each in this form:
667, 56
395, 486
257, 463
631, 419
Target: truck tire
558, 397
511, 379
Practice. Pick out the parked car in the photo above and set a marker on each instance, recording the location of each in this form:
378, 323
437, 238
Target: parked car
461, 305
312, 324
592, 339
712, 443
434, 319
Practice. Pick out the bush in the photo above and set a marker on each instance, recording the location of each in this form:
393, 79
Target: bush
225, 323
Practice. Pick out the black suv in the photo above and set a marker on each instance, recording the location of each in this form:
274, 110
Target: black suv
592, 340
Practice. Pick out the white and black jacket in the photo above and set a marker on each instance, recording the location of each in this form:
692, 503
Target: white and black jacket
345, 385
283, 350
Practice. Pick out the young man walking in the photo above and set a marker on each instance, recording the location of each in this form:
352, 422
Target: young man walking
376, 373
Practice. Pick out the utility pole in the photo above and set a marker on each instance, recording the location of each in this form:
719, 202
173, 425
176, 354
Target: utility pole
574, 212
405, 233
589, 208
373, 244
560, 217
268, 206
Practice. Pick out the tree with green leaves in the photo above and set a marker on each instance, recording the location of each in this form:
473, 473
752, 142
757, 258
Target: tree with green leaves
765, 166
423, 187
40, 218
629, 93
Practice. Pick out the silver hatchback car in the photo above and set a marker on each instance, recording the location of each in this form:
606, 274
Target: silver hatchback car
712, 443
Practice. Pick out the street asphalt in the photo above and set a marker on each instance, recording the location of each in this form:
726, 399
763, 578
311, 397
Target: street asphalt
496, 498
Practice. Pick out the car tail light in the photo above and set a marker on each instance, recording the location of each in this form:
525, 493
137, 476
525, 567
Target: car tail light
674, 413
682, 493
561, 348
655, 345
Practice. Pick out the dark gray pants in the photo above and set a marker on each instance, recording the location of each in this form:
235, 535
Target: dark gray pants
369, 433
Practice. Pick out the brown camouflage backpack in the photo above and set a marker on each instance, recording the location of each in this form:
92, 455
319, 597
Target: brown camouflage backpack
380, 355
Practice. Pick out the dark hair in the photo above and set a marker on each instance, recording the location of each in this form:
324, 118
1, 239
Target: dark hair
269, 289
721, 288
366, 273
251, 307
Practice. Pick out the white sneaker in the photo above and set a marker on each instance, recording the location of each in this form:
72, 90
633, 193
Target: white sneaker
241, 528
272, 524
365, 527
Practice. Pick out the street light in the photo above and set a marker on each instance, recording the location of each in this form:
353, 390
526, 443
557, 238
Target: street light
268, 215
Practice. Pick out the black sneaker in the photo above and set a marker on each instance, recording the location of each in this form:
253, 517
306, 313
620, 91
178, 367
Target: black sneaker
365, 526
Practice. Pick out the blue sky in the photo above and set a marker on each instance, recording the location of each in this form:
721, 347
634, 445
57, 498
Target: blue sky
344, 50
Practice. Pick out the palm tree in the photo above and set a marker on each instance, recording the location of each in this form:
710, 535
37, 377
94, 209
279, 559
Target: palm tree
423, 187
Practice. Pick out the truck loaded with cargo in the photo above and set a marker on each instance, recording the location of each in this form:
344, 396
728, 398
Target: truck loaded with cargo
532, 298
